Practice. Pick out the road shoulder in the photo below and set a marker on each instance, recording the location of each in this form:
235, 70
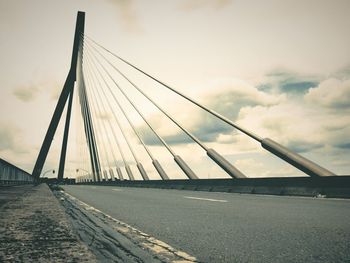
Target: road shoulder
113, 240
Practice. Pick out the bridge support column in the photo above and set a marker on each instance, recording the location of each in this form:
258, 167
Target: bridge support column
66, 91
65, 137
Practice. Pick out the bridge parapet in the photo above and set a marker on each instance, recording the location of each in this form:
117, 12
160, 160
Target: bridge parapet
330, 186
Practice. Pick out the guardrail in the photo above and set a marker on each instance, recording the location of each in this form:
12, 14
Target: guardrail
11, 174
330, 186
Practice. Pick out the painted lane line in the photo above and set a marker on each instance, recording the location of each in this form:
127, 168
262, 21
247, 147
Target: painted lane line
145, 240
206, 199
117, 190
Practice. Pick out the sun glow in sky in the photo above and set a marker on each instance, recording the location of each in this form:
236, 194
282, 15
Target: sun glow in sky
278, 68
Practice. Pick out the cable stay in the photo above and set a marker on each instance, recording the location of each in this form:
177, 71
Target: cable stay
111, 172
181, 163
138, 163
310, 168
106, 162
127, 168
155, 162
89, 132
216, 157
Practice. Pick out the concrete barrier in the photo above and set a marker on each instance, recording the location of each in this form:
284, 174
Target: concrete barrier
330, 186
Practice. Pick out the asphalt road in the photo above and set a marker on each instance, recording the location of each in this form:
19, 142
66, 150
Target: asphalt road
226, 227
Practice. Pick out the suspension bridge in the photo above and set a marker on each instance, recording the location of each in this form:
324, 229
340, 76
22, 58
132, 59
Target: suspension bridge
210, 227
92, 78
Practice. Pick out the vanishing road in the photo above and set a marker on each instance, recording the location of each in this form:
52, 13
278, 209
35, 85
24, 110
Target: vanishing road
226, 227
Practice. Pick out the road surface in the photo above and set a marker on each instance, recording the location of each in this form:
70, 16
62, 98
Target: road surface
226, 227
11, 192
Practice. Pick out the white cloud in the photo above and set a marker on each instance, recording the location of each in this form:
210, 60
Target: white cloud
10, 138
304, 125
297, 122
293, 122
257, 168
230, 91
287, 122
226, 97
128, 15
26, 93
191, 5
333, 93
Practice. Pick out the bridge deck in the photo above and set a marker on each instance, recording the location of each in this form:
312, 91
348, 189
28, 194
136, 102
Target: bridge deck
228, 227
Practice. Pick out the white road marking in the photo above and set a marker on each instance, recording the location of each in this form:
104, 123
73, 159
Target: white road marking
206, 199
149, 242
115, 189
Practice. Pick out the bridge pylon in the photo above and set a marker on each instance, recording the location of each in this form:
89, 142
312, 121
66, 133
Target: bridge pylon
66, 95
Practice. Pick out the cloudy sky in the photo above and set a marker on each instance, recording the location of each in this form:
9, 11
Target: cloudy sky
278, 68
